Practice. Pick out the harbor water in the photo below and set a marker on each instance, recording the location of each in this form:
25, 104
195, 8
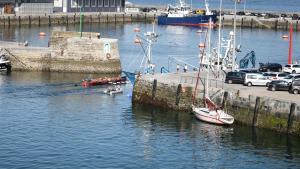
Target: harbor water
48, 121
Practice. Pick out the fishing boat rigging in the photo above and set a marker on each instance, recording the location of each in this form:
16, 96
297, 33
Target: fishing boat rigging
146, 41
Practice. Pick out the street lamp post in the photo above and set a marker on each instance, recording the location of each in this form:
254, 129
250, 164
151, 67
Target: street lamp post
81, 19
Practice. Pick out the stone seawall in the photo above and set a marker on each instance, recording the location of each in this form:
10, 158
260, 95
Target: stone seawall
253, 110
71, 18
67, 53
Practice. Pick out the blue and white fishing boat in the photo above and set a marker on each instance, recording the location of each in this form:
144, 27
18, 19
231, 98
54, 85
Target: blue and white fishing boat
183, 15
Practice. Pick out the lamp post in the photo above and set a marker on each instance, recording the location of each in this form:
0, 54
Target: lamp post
81, 19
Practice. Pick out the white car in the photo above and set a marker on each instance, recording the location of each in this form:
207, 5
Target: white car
290, 78
256, 79
292, 68
275, 75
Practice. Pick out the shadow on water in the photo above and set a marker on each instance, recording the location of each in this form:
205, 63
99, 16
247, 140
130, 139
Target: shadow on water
259, 141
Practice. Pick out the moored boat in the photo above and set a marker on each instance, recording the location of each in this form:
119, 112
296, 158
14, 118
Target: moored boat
113, 90
104, 81
4, 63
183, 15
212, 114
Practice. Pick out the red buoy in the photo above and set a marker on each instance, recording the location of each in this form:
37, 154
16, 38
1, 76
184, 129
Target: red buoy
137, 40
42, 34
201, 45
137, 29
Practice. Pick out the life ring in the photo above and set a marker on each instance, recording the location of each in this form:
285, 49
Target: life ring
108, 56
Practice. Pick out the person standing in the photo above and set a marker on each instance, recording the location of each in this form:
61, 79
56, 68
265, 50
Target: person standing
185, 68
177, 68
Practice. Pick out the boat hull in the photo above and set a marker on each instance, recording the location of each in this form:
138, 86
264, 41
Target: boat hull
213, 116
193, 20
101, 81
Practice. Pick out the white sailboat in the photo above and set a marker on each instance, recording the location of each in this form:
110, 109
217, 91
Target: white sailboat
210, 113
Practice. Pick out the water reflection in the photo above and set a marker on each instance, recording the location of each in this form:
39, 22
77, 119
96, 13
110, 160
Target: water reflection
214, 140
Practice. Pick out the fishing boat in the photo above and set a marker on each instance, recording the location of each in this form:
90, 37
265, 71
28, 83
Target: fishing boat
183, 15
113, 90
104, 81
210, 112
146, 42
4, 63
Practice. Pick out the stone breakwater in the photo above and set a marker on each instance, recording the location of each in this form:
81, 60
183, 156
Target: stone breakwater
68, 52
72, 18
251, 106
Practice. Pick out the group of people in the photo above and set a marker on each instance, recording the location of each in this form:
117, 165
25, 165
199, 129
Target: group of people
185, 68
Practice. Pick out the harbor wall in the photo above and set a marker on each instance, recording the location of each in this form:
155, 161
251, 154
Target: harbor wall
72, 18
85, 54
261, 112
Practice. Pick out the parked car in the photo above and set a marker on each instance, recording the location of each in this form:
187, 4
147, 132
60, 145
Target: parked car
295, 17
235, 77
295, 87
283, 15
279, 85
256, 79
292, 68
277, 75
240, 13
290, 78
249, 70
267, 67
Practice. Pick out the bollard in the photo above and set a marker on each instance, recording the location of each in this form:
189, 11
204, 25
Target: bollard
242, 23
291, 117
256, 109
251, 23
19, 20
49, 20
74, 19
178, 94
224, 102
39, 21
29, 18
154, 88
276, 25
8, 21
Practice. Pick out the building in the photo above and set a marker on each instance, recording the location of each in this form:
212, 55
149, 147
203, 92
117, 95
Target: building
30, 7
89, 5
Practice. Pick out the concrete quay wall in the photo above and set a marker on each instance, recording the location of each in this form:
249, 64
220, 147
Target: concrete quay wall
71, 18
261, 112
70, 54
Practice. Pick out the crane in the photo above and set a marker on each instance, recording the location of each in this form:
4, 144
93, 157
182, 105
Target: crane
244, 62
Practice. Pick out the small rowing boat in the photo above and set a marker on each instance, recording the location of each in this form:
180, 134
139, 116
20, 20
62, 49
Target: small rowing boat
104, 81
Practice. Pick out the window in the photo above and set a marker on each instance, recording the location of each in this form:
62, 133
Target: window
288, 66
296, 66
111, 2
282, 75
118, 2
80, 3
272, 75
100, 3
74, 3
106, 3
87, 3
251, 77
93, 3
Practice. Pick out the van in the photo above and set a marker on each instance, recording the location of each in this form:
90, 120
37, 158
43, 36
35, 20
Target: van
256, 79
235, 77
290, 68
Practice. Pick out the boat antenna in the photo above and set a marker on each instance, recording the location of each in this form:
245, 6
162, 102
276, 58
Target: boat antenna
219, 42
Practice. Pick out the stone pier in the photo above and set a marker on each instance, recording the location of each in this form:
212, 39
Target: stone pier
254, 106
68, 52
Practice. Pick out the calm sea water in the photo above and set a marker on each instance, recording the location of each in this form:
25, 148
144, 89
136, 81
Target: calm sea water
48, 122
259, 5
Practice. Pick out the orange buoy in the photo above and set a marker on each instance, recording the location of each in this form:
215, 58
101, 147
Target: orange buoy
137, 29
42, 34
201, 45
137, 40
285, 36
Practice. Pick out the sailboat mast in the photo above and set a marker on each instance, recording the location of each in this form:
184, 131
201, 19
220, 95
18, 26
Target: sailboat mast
234, 37
219, 43
208, 56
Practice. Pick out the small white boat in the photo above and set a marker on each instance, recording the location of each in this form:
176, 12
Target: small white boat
4, 63
113, 90
211, 113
